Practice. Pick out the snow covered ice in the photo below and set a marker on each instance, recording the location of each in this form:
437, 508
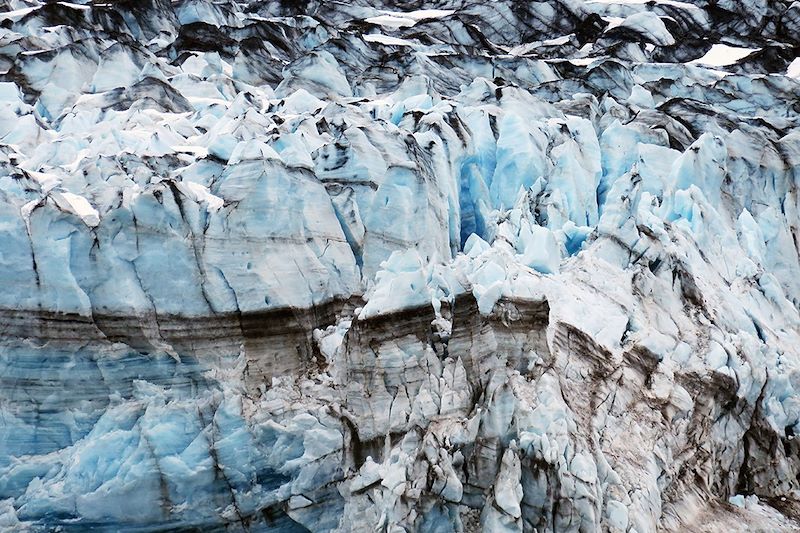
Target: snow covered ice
400, 266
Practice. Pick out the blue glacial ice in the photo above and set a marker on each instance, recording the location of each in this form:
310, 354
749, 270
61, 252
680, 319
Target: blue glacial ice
355, 267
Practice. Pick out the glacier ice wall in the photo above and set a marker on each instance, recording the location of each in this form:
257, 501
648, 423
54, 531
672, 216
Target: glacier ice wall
399, 266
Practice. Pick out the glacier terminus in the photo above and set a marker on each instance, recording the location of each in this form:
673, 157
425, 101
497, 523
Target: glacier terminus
399, 266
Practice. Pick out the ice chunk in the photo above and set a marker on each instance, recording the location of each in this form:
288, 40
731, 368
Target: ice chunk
118, 67
793, 70
402, 282
79, 206
737, 500
650, 26
323, 69
641, 97
507, 488
617, 515
9, 92
539, 248
750, 237
200, 193
475, 245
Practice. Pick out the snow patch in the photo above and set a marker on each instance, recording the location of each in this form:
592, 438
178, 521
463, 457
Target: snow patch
721, 55
386, 39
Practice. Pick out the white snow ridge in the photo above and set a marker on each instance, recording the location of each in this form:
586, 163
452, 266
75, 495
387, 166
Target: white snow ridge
440, 266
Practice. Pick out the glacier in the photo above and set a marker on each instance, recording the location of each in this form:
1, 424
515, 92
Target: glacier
400, 266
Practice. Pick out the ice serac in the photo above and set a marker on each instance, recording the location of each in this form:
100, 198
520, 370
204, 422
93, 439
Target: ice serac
418, 266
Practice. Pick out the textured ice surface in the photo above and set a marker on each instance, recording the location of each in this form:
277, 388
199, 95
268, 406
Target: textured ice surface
421, 266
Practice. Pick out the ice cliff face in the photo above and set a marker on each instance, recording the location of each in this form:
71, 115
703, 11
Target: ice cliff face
440, 266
